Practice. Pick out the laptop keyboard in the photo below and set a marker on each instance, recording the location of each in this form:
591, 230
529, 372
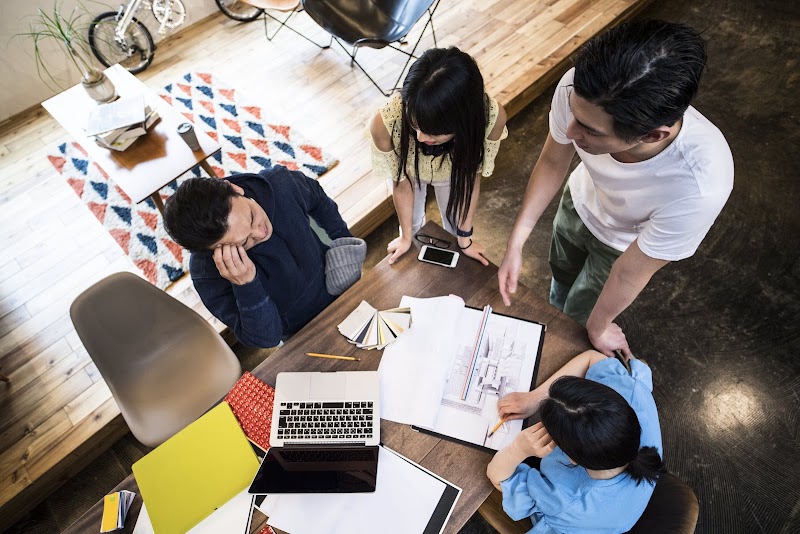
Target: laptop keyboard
359, 454
321, 421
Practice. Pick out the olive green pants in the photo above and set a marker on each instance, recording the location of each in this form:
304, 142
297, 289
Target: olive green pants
580, 263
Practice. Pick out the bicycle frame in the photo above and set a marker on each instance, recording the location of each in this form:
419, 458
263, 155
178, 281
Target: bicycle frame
125, 16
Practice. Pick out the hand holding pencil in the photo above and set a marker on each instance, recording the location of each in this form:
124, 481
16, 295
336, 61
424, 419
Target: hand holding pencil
518, 405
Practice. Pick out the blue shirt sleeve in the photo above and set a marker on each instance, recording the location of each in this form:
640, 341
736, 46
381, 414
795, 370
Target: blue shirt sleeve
517, 499
320, 206
528, 493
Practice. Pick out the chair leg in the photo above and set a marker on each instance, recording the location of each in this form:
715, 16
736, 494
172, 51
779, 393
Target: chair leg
433, 31
357, 64
283, 23
410, 55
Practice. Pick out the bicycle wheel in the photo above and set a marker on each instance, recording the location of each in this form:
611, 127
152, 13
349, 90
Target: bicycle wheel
238, 10
134, 52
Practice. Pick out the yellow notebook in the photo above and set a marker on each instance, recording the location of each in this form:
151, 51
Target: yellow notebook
196, 471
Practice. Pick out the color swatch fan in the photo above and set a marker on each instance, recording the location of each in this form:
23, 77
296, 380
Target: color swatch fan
369, 329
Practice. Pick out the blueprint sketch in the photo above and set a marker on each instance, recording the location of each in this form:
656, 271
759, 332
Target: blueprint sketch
505, 363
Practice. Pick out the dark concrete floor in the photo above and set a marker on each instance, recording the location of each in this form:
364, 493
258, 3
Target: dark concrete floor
720, 330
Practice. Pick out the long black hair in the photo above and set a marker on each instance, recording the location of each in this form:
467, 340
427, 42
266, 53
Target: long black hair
597, 429
443, 94
643, 73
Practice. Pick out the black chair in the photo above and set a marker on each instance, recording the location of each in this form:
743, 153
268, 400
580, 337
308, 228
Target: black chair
372, 23
673, 509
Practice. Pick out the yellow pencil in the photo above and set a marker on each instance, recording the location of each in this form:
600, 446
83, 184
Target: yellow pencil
503, 420
333, 356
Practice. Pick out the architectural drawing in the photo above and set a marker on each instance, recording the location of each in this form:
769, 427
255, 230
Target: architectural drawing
498, 367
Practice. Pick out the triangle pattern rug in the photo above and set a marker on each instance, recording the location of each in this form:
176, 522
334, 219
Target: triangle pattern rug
250, 141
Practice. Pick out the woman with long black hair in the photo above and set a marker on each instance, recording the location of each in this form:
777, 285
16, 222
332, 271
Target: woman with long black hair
600, 444
443, 130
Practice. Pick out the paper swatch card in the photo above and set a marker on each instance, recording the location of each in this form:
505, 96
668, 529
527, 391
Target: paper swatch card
368, 328
115, 508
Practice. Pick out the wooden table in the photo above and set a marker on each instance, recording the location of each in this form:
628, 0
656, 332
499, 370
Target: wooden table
153, 160
383, 287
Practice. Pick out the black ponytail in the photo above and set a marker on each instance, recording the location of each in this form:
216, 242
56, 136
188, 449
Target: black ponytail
646, 466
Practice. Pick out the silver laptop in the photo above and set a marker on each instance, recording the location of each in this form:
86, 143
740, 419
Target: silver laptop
339, 408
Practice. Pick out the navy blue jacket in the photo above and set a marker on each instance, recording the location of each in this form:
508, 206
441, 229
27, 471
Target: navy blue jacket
289, 288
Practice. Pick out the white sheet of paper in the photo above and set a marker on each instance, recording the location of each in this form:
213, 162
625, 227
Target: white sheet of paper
414, 367
403, 502
143, 524
230, 517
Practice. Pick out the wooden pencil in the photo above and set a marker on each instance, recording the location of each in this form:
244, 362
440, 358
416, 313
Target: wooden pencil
333, 356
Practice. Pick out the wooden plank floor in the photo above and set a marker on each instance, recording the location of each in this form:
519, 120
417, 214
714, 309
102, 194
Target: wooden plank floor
56, 415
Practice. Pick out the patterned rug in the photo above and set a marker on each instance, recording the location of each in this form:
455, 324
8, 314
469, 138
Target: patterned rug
251, 141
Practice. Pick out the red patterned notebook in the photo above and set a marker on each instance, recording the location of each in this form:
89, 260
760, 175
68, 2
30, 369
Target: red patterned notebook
251, 401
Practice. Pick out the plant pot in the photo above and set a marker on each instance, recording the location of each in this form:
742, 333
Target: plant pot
99, 87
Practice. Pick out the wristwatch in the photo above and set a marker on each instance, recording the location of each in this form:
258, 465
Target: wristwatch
462, 233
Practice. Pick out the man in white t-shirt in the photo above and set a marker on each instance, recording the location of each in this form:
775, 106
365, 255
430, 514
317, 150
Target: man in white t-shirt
654, 174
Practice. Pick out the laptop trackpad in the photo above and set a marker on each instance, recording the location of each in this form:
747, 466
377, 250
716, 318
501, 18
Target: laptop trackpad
327, 386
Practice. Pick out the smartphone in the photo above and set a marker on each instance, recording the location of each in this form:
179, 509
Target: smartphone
438, 256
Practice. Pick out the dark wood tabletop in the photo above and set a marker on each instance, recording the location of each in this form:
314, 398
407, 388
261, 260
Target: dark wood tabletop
383, 287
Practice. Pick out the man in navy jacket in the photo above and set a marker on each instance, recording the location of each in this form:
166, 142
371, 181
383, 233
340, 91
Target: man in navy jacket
256, 263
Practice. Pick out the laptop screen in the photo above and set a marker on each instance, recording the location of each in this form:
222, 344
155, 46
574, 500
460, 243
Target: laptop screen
324, 469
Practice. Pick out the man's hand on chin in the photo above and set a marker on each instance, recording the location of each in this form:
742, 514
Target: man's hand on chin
234, 264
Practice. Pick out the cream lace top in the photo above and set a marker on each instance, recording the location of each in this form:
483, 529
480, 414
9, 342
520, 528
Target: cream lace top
431, 169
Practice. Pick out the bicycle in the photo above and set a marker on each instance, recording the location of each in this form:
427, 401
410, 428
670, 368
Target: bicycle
119, 37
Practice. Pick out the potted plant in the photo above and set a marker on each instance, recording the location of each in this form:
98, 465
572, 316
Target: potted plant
65, 31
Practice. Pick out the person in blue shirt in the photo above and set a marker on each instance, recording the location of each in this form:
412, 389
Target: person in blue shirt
600, 444
256, 262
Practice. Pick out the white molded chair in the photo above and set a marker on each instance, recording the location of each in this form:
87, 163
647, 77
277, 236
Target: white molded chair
164, 364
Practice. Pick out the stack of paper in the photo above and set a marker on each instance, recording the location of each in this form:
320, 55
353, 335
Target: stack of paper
115, 508
368, 328
118, 124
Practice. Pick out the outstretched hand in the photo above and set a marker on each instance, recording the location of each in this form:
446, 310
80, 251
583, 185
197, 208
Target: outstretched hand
473, 249
609, 340
508, 274
397, 247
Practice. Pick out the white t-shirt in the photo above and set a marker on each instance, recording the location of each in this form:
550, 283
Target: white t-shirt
668, 202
